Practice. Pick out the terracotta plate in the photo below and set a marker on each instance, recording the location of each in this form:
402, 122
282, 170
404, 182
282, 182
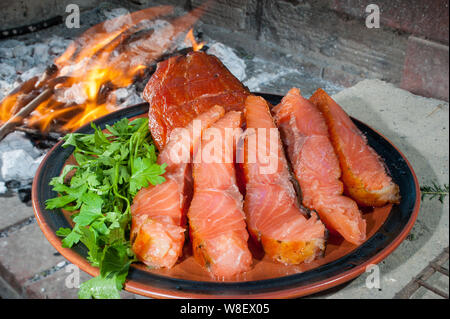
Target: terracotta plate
387, 227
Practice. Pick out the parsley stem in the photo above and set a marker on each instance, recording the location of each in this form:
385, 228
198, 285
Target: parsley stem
116, 192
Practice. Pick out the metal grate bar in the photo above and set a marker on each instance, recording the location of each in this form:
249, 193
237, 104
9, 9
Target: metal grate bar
433, 289
439, 268
420, 280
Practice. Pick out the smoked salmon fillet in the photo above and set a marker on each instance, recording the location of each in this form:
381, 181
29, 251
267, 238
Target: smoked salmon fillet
216, 219
274, 217
316, 166
182, 87
363, 171
159, 212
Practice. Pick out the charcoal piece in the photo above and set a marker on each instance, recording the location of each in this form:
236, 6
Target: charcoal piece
12, 184
24, 194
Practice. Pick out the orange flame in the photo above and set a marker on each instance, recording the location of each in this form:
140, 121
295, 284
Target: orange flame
7, 106
106, 57
195, 45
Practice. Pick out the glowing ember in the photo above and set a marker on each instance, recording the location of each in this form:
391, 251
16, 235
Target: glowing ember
195, 45
108, 56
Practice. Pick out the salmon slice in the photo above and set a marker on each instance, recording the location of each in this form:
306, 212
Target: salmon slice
159, 212
183, 87
274, 217
217, 221
316, 166
363, 171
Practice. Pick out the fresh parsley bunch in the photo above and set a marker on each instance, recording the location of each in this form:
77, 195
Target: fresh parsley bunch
111, 168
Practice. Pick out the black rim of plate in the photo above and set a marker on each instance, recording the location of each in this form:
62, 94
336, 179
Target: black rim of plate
392, 227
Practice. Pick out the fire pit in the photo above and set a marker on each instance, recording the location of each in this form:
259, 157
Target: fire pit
50, 86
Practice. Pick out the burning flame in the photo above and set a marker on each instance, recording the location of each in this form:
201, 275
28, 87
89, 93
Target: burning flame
106, 57
195, 45
7, 106
89, 85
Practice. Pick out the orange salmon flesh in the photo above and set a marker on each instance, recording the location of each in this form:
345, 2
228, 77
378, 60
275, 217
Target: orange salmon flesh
273, 215
363, 171
159, 212
316, 166
217, 222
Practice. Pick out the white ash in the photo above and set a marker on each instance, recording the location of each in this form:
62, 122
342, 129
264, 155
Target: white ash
255, 82
260, 75
17, 140
74, 94
36, 71
126, 96
6, 71
133, 99
74, 68
118, 18
114, 12
58, 43
162, 36
162, 39
41, 53
20, 51
20, 61
121, 94
5, 53
3, 188
19, 159
226, 54
4, 88
18, 165
270, 77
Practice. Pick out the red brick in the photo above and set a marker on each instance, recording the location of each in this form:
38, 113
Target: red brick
426, 69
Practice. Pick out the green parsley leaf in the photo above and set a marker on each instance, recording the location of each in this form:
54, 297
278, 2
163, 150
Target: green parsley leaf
144, 171
63, 232
72, 238
59, 202
99, 288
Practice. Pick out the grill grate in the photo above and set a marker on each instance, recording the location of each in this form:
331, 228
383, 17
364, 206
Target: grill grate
421, 280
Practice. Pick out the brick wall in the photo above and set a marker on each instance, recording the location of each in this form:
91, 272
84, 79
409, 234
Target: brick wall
330, 38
